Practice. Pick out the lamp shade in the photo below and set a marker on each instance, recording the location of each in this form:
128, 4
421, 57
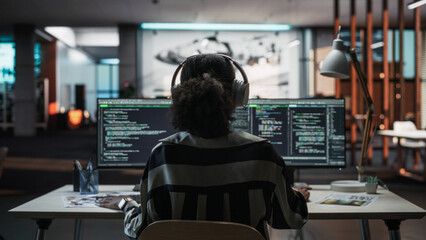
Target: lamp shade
335, 64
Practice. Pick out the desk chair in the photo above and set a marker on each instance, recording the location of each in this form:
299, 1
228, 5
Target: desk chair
199, 230
404, 126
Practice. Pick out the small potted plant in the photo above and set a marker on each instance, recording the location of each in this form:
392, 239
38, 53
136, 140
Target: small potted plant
371, 184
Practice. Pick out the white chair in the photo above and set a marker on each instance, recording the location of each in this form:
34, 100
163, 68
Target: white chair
405, 126
199, 230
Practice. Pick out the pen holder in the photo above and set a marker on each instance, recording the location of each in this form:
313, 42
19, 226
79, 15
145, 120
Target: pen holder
89, 181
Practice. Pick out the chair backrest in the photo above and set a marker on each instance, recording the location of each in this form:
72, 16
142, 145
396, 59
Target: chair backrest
404, 126
199, 230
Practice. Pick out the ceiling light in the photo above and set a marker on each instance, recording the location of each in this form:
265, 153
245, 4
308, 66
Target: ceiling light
64, 34
111, 61
216, 26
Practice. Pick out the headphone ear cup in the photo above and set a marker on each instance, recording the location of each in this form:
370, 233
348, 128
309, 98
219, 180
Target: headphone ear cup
240, 93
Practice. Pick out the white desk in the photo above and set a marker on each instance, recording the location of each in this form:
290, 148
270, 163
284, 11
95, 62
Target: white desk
50, 206
414, 135
389, 207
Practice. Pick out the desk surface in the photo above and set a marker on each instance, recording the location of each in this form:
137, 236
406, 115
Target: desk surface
50, 205
417, 135
388, 206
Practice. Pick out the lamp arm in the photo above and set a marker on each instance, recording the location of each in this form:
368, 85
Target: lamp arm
367, 97
361, 78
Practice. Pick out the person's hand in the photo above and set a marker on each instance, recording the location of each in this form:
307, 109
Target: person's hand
110, 202
304, 191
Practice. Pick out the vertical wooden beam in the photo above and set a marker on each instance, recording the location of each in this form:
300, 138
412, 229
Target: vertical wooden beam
369, 59
417, 83
386, 87
354, 92
394, 103
336, 29
401, 8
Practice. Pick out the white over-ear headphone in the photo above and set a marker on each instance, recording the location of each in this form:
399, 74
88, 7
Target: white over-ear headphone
240, 89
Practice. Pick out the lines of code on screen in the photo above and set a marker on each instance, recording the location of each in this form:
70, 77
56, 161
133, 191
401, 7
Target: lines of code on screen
305, 132
129, 131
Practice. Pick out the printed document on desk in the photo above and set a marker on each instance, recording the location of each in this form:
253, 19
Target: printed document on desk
91, 201
351, 199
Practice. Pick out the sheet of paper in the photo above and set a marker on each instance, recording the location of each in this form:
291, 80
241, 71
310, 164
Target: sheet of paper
348, 199
90, 201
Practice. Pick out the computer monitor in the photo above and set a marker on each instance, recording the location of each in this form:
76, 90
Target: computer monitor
305, 132
128, 129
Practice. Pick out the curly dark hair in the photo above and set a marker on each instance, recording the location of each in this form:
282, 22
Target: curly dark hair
202, 103
202, 107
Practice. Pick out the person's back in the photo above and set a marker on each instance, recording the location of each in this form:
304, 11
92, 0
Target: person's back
208, 172
237, 178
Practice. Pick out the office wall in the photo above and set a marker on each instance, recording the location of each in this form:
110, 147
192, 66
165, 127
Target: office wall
270, 59
74, 68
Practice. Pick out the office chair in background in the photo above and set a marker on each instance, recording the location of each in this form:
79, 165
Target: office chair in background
200, 230
405, 126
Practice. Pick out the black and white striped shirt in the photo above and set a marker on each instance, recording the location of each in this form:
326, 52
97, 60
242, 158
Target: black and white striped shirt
237, 178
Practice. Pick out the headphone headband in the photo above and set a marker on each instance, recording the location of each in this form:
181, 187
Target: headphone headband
240, 69
240, 90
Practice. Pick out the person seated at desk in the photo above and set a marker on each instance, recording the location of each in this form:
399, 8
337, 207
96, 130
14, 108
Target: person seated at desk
207, 171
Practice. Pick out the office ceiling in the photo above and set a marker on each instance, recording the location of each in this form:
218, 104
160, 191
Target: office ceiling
110, 13
300, 13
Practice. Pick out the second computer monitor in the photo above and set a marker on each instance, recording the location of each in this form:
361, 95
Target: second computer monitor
305, 132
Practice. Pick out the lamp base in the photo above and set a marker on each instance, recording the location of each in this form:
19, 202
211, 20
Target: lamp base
347, 186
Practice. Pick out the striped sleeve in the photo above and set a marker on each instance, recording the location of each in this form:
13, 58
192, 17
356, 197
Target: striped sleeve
289, 209
135, 218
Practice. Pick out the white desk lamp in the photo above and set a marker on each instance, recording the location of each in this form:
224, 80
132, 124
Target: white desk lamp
335, 65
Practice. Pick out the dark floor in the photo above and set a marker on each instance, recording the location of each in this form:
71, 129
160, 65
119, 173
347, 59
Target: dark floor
39, 164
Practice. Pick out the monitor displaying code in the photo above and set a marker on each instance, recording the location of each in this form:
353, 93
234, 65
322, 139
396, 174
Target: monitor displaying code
305, 132
128, 129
